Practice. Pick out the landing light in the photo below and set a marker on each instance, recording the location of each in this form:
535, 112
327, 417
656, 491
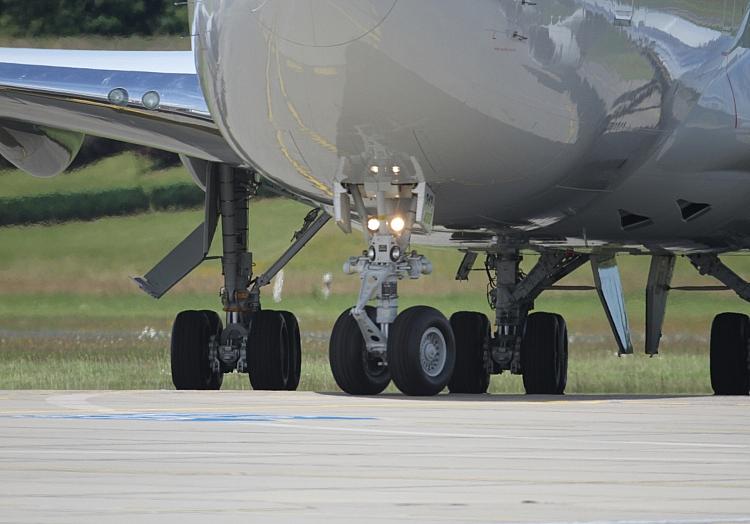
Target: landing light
396, 170
119, 96
397, 224
151, 100
374, 170
373, 224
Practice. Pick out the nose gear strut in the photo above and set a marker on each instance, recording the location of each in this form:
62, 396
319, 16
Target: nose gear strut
396, 209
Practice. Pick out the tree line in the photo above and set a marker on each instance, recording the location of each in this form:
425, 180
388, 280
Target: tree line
32, 18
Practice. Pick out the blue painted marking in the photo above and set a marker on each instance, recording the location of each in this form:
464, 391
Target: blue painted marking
190, 417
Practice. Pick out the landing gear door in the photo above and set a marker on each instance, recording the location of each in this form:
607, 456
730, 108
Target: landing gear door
425, 207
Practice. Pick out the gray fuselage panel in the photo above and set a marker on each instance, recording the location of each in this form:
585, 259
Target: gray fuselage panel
561, 122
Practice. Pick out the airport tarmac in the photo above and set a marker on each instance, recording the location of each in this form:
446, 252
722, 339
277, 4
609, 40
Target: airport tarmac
231, 456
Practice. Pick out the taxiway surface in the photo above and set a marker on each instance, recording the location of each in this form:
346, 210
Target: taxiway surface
165, 456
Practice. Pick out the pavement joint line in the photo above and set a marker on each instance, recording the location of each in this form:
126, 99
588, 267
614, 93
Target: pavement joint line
72, 451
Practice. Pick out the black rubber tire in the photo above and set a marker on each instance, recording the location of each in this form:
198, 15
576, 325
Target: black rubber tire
191, 332
544, 354
352, 370
216, 326
295, 357
471, 331
729, 354
404, 360
269, 352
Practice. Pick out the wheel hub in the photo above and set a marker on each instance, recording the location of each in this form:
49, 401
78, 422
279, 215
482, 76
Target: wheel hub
433, 352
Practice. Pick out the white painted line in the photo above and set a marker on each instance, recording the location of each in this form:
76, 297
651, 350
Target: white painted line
509, 437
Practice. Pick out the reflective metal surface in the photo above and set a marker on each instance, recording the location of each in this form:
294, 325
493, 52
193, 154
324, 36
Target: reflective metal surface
609, 288
538, 120
38, 150
70, 90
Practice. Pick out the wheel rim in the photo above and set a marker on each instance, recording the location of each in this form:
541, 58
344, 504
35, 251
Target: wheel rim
373, 366
433, 352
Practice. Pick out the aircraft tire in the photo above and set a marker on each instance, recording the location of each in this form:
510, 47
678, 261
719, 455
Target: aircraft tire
729, 354
191, 333
353, 371
471, 331
421, 351
216, 326
295, 358
544, 354
269, 352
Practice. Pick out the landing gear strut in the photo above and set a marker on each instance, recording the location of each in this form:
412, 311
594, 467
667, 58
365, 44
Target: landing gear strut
371, 345
533, 345
263, 343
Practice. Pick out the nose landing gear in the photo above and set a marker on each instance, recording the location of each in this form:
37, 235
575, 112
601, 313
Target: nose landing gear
371, 345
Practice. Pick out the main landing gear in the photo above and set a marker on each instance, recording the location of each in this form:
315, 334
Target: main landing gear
263, 343
536, 345
730, 332
532, 345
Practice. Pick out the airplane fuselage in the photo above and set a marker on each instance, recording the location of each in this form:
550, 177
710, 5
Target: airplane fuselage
570, 122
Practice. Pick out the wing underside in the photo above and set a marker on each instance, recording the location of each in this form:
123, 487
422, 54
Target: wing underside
69, 92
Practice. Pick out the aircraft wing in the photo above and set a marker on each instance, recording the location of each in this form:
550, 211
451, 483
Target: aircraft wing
57, 96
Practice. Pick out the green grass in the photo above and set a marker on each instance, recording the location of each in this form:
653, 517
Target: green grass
70, 317
131, 360
132, 43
